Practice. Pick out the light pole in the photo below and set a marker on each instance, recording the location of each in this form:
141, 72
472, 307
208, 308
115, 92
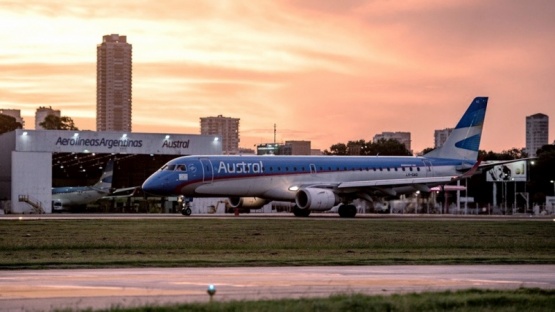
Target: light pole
553, 182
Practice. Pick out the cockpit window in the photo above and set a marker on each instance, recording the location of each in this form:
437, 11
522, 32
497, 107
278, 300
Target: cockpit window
180, 168
170, 168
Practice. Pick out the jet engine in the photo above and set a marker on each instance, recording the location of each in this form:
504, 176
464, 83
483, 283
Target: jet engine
316, 199
247, 202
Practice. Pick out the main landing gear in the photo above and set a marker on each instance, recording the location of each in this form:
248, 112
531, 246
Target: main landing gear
298, 212
347, 211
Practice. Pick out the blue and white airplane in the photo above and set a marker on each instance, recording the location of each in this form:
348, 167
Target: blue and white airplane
63, 197
318, 183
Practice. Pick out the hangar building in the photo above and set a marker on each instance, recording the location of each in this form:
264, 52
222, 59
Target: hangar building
31, 159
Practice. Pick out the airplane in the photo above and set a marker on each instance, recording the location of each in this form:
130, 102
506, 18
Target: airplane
318, 183
82, 195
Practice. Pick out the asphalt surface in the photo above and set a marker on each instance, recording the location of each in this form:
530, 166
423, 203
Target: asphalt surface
46, 290
106, 216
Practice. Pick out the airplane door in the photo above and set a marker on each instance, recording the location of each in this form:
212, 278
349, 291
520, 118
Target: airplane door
207, 170
312, 168
427, 167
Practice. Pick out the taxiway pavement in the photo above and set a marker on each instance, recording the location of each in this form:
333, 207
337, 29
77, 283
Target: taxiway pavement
46, 290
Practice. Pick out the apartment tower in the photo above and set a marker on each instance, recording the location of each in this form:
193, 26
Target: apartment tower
113, 84
537, 133
226, 128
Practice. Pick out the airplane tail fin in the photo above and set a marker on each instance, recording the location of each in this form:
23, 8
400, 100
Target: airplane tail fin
464, 142
105, 181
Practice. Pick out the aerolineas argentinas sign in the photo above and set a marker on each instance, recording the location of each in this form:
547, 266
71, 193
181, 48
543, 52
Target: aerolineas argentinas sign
102, 142
111, 143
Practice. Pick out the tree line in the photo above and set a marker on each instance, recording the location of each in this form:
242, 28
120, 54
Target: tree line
51, 122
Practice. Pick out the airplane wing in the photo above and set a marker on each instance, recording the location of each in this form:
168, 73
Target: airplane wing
394, 186
395, 182
492, 163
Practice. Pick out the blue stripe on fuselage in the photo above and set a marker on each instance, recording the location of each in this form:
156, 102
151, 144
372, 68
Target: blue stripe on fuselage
298, 165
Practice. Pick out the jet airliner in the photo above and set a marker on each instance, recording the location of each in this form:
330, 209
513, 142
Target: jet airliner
82, 195
318, 183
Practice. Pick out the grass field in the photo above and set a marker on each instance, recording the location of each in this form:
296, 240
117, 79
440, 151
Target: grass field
467, 300
190, 242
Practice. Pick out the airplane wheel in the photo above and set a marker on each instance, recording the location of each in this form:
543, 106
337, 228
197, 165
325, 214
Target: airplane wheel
300, 212
186, 211
347, 211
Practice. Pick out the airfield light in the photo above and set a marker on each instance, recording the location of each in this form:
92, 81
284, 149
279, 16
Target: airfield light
167, 136
24, 133
75, 134
294, 188
216, 139
211, 291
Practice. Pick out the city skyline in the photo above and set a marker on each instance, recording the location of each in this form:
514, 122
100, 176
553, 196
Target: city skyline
324, 71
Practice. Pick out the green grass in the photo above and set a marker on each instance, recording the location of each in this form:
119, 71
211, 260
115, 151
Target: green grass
465, 300
270, 242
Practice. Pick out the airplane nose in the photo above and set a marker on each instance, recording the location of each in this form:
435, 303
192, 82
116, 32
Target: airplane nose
154, 185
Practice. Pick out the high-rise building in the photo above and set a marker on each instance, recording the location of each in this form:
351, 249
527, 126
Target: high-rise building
113, 84
15, 113
537, 133
226, 128
401, 137
440, 136
41, 113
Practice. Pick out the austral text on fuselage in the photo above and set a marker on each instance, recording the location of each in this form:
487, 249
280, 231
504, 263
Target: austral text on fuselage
240, 167
175, 144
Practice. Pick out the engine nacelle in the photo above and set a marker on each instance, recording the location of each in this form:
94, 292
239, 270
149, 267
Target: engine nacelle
247, 202
316, 199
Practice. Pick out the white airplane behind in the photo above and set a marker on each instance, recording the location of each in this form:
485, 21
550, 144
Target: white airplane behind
318, 183
82, 195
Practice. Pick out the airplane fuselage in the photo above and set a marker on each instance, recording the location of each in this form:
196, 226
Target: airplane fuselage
74, 196
278, 177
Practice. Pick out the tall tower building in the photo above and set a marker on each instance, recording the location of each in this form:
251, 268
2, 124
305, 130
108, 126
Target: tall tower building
226, 128
113, 84
440, 136
42, 112
537, 133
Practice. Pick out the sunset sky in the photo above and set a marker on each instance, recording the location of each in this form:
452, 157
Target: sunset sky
323, 70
